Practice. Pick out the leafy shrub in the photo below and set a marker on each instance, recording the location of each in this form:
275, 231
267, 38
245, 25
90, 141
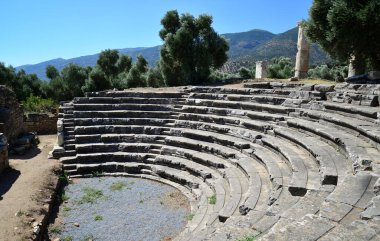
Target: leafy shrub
337, 73
244, 73
219, 75
281, 68
38, 104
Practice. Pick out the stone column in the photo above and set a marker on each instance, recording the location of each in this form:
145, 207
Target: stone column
4, 162
302, 59
58, 149
261, 70
351, 68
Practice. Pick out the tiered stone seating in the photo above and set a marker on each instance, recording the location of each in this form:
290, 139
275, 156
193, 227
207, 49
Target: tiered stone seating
278, 157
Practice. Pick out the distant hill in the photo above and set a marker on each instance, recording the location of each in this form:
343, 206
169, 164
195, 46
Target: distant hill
245, 49
284, 44
151, 54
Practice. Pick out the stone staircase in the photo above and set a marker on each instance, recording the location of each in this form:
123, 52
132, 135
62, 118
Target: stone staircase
284, 161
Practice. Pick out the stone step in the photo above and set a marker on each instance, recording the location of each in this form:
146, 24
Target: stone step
114, 147
137, 94
68, 129
367, 129
349, 192
327, 157
125, 100
69, 146
125, 114
354, 147
211, 137
122, 121
198, 146
140, 107
298, 183
369, 112
222, 104
224, 124
313, 227
357, 230
95, 158
119, 129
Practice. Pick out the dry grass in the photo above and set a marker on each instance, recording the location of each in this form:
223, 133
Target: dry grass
317, 81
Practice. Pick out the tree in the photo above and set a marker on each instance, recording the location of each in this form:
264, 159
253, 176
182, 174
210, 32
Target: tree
73, 78
107, 62
154, 78
51, 72
141, 64
135, 78
347, 29
191, 47
124, 63
97, 81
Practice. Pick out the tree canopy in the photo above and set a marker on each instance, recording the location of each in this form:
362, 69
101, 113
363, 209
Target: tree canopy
347, 29
191, 47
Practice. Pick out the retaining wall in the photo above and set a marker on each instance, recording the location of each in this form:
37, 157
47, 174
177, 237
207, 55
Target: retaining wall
43, 124
11, 114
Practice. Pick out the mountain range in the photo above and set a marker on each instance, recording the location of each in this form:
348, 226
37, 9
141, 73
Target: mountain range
245, 49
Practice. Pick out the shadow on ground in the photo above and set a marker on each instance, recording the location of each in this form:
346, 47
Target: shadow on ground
7, 179
29, 154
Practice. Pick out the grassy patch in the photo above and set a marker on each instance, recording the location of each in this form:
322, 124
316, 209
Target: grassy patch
98, 217
97, 174
65, 211
248, 238
117, 186
91, 195
20, 213
67, 238
87, 237
190, 216
54, 229
212, 199
316, 81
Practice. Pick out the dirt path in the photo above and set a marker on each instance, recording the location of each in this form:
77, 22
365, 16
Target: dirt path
21, 187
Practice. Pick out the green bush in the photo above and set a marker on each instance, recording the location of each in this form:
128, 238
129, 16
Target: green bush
336, 73
281, 68
244, 73
38, 104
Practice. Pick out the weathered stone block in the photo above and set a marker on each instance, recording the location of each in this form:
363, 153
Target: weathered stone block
261, 70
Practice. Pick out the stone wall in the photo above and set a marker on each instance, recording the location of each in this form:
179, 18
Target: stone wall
11, 114
41, 123
4, 162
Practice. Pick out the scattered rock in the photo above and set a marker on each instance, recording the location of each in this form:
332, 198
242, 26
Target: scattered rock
76, 224
244, 210
292, 79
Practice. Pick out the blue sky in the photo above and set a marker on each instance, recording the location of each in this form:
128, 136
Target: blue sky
40, 30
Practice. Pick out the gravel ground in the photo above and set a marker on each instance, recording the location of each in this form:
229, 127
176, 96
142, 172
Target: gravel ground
139, 211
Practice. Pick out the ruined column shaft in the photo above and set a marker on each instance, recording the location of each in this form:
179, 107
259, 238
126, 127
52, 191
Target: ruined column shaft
261, 70
303, 54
